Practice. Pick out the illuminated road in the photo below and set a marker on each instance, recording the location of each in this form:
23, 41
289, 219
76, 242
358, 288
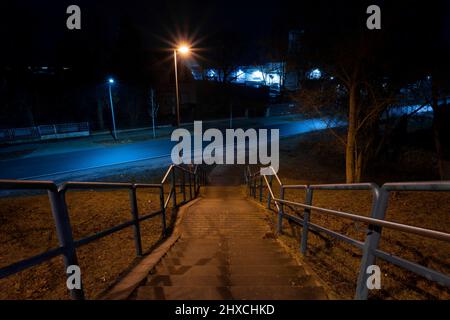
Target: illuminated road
40, 167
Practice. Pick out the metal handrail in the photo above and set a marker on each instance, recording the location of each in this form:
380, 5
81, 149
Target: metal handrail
93, 185
193, 176
376, 222
8, 184
434, 234
276, 176
344, 186
258, 174
418, 186
166, 202
271, 192
67, 244
166, 175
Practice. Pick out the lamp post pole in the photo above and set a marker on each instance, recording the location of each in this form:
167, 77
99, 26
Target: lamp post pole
176, 87
110, 82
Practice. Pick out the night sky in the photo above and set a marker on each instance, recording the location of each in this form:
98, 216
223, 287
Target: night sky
33, 32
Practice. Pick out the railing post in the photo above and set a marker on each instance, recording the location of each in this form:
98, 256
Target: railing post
65, 237
249, 182
163, 210
135, 216
269, 198
254, 187
183, 185
195, 184
190, 186
306, 214
260, 188
371, 243
280, 212
174, 188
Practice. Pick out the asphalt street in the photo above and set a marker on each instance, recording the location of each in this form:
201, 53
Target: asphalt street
42, 166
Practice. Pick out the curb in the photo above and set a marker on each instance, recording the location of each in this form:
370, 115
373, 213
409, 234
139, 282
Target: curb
125, 287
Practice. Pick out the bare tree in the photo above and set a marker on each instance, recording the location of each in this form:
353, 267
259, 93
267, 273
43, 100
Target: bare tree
354, 101
154, 107
441, 115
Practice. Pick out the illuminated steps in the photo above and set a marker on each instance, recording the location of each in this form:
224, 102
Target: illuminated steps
231, 293
228, 251
231, 280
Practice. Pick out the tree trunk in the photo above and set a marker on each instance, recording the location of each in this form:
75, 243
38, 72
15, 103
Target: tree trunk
438, 136
359, 166
350, 152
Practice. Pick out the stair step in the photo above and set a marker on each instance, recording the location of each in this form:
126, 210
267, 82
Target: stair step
188, 281
230, 244
257, 270
218, 261
182, 293
232, 280
227, 251
189, 261
278, 293
230, 292
226, 254
215, 233
209, 252
231, 241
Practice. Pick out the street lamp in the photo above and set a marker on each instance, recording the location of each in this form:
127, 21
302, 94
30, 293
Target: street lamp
183, 49
110, 83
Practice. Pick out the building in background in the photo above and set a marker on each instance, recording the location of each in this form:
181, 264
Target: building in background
277, 75
269, 75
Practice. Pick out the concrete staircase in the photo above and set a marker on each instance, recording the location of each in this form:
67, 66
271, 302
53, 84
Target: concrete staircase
227, 251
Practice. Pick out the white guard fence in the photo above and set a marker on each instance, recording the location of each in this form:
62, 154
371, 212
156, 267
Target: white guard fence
44, 132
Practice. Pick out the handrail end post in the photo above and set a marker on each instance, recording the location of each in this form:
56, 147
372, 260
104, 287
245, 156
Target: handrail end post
135, 216
280, 212
65, 237
306, 217
163, 210
174, 189
260, 189
371, 243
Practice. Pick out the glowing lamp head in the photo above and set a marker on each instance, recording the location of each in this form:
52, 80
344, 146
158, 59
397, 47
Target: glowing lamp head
183, 49
111, 80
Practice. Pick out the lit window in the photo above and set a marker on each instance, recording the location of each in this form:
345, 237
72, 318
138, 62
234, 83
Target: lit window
315, 74
257, 75
240, 75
